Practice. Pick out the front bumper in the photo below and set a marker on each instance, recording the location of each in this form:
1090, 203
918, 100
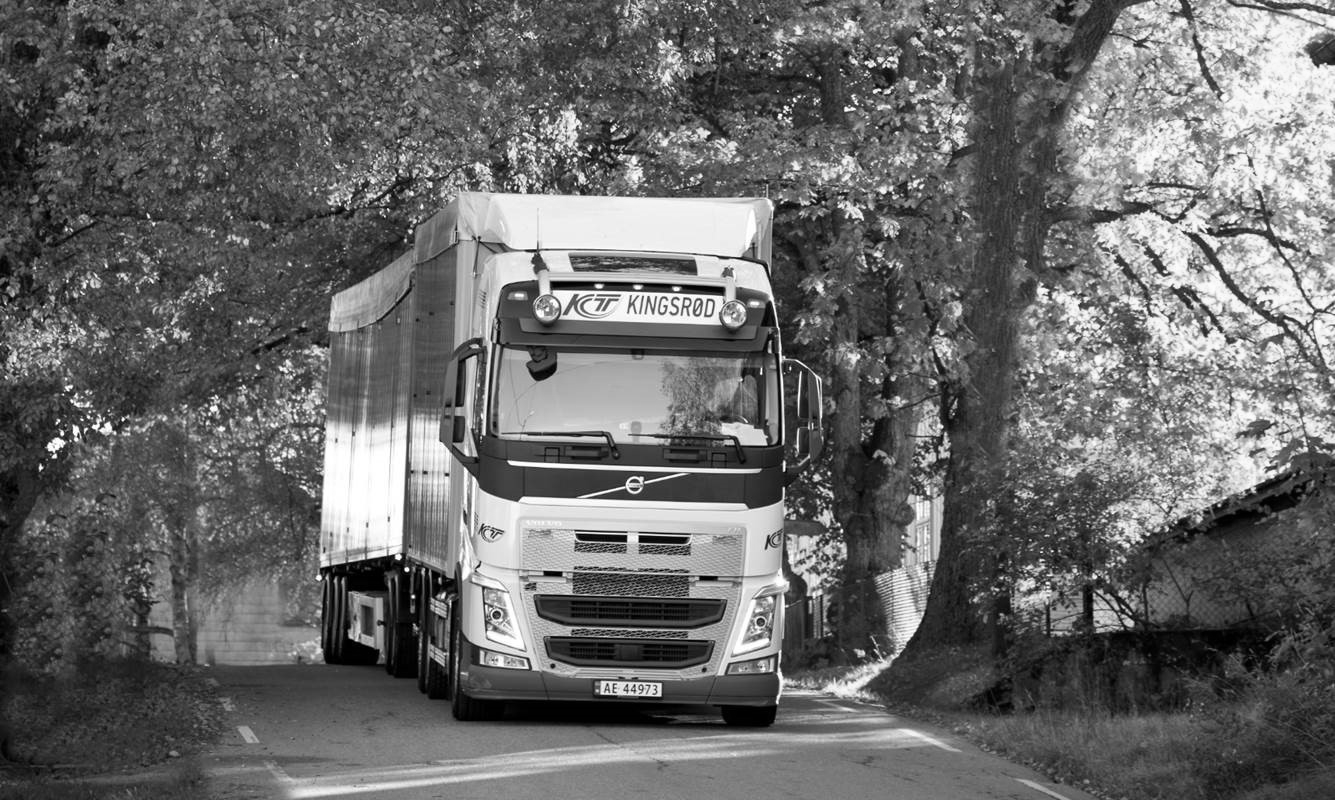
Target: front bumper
493, 683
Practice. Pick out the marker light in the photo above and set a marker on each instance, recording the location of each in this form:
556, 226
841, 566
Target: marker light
547, 309
759, 624
733, 315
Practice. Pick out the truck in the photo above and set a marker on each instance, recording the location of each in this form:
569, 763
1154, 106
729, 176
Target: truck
558, 435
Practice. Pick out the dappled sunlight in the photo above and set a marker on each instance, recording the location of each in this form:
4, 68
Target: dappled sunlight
834, 733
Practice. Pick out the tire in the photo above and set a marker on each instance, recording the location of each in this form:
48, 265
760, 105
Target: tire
338, 618
465, 708
400, 645
328, 621
433, 677
423, 632
391, 621
750, 716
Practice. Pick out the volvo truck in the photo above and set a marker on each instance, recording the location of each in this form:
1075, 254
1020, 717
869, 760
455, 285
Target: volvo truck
558, 435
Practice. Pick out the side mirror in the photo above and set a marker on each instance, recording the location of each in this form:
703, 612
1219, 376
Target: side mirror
454, 417
808, 437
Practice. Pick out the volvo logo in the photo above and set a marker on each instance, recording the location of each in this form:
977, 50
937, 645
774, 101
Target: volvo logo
634, 485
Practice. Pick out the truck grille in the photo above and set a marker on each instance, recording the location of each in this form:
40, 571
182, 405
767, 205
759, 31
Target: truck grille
592, 581
628, 652
629, 611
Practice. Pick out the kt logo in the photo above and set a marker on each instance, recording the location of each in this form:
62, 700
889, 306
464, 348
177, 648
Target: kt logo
593, 306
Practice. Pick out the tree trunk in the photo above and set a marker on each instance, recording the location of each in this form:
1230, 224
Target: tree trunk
1020, 108
871, 468
185, 590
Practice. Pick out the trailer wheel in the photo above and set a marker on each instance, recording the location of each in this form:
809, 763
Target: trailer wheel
465, 708
433, 677
338, 618
750, 716
391, 603
328, 612
423, 632
400, 648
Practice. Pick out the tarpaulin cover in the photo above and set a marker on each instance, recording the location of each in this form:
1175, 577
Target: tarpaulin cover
725, 227
366, 302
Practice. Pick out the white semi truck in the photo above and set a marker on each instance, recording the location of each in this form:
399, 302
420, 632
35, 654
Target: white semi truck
556, 450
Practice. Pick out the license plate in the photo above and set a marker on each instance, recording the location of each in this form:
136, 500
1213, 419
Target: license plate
627, 689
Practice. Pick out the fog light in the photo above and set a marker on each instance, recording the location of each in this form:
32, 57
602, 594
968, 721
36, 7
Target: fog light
547, 309
488, 658
733, 315
760, 666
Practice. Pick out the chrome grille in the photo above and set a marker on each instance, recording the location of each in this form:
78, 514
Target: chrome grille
632, 584
590, 612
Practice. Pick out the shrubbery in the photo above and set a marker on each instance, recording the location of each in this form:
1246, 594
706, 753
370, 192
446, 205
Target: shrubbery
85, 590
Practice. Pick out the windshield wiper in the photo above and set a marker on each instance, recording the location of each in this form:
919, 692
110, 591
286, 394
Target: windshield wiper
710, 437
611, 443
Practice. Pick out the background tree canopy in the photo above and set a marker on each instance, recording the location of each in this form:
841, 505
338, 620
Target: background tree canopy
1039, 249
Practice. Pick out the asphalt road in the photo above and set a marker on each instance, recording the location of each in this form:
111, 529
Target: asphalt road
315, 731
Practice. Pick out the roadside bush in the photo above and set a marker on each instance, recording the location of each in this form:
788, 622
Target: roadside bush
1280, 726
82, 591
105, 715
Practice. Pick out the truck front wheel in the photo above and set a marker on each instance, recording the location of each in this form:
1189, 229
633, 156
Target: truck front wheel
465, 708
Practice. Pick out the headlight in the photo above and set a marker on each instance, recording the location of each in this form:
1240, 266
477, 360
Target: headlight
733, 315
547, 309
499, 617
759, 624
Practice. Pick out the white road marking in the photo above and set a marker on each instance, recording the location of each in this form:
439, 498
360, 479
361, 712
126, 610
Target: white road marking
279, 775
1041, 788
248, 734
930, 740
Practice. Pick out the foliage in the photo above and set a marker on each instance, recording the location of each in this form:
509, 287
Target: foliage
88, 585
109, 714
1087, 238
1281, 725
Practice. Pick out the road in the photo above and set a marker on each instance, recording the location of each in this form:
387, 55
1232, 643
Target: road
302, 732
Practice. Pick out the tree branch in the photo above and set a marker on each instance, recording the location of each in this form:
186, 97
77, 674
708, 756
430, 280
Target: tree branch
1283, 5
1291, 328
1189, 14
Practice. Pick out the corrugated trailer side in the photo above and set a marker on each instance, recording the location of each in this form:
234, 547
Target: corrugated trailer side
366, 425
440, 260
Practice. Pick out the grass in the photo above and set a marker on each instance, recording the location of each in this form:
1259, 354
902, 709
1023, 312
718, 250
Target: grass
116, 730
184, 781
1245, 748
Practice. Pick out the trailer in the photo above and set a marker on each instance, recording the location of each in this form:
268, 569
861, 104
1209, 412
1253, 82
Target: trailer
558, 435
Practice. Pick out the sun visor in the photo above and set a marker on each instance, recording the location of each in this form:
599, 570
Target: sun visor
728, 227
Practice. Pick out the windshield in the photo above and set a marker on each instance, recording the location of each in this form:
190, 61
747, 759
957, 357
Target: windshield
636, 396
